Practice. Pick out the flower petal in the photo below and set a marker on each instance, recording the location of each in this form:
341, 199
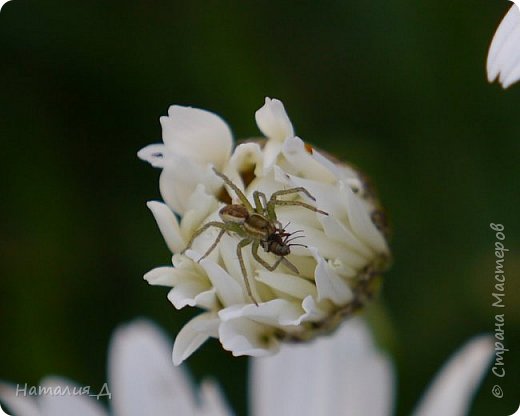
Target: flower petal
276, 312
199, 206
212, 400
143, 380
343, 374
168, 225
287, 283
245, 337
193, 293
331, 249
193, 335
65, 404
330, 285
245, 157
327, 195
19, 404
452, 389
180, 178
161, 276
273, 121
504, 52
337, 231
361, 222
228, 290
304, 162
154, 154
197, 135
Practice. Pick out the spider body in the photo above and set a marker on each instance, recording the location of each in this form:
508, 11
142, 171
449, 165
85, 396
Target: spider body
256, 225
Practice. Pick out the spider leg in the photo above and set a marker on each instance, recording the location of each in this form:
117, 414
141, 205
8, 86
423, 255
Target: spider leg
212, 247
254, 250
240, 246
280, 202
276, 194
281, 259
260, 202
216, 224
289, 265
236, 189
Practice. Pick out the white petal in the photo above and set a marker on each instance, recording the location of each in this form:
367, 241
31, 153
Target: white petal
193, 293
185, 271
197, 135
331, 249
271, 151
335, 230
168, 225
512, 77
504, 52
66, 402
304, 162
327, 195
452, 389
193, 335
154, 154
178, 180
272, 120
228, 290
245, 337
18, 403
313, 312
511, 51
244, 157
330, 285
162, 276
287, 283
361, 222
142, 377
277, 312
199, 206
339, 375
212, 400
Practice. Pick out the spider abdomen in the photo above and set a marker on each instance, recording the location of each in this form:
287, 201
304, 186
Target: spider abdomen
234, 213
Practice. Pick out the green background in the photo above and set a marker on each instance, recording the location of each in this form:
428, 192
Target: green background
397, 87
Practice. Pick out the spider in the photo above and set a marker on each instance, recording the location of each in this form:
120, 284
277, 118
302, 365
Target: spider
256, 225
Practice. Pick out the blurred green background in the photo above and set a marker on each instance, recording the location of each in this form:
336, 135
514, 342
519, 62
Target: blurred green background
395, 86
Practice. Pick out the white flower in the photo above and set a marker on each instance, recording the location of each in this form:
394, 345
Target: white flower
249, 306
142, 381
504, 53
193, 140
341, 375
346, 375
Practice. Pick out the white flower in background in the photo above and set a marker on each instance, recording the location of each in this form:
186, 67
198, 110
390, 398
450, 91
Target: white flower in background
332, 274
142, 381
341, 375
346, 375
503, 60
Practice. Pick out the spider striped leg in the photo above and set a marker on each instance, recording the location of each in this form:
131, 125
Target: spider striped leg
212, 247
260, 202
280, 202
240, 195
240, 246
216, 224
